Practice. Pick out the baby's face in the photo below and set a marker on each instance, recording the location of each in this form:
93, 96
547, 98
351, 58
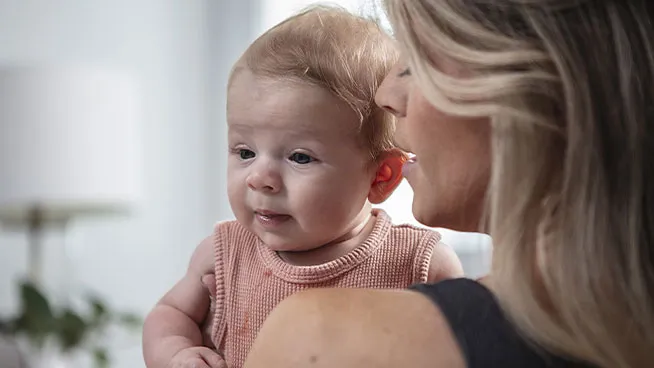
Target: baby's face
298, 177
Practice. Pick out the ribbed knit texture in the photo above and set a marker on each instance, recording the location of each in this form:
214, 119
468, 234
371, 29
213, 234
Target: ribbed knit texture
251, 279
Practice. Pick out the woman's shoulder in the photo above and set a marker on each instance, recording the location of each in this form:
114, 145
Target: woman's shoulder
485, 335
356, 328
453, 323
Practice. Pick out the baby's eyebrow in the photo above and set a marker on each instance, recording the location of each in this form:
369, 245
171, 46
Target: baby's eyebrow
239, 126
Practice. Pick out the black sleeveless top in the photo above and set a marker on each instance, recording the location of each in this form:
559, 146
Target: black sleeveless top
486, 338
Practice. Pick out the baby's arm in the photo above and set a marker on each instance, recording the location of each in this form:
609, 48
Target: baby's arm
444, 264
173, 324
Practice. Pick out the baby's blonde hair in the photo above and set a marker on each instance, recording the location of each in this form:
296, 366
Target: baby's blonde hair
332, 48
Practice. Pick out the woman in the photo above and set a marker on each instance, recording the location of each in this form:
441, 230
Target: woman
535, 120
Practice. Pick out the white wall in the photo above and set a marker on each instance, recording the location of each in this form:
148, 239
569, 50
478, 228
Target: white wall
166, 44
232, 26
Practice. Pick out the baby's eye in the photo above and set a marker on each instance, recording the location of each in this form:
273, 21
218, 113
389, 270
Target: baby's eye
245, 154
301, 158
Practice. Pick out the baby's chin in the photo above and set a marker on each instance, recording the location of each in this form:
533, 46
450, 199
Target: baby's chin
289, 238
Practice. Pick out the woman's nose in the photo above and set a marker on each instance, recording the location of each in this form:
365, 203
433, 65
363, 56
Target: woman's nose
391, 95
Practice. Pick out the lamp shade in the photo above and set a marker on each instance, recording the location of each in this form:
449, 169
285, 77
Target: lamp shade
69, 142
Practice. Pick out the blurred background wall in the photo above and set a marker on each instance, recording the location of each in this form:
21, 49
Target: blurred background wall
180, 52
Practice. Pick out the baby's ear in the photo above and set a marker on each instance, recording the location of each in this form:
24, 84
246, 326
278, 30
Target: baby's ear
388, 175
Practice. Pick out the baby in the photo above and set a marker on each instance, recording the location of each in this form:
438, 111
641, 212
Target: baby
309, 153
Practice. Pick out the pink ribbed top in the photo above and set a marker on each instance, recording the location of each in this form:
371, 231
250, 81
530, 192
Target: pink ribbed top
251, 279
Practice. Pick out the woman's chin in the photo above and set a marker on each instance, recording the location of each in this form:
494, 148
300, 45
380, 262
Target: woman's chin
422, 214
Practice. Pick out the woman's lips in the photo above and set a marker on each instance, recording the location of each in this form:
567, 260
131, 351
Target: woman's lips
409, 164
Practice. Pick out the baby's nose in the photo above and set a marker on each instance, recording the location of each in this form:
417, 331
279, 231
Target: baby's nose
266, 180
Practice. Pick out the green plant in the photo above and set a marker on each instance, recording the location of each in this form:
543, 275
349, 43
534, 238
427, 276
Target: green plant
38, 320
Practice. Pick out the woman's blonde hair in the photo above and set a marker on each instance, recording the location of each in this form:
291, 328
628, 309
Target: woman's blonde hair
330, 47
569, 88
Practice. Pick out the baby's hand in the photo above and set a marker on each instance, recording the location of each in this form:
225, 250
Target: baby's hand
197, 357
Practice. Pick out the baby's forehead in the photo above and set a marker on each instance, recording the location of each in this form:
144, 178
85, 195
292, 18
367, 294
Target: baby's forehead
278, 104
290, 127
247, 88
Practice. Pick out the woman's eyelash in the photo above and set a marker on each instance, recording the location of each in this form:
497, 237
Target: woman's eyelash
404, 73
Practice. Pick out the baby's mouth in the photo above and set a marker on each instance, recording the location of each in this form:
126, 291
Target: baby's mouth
270, 218
267, 213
